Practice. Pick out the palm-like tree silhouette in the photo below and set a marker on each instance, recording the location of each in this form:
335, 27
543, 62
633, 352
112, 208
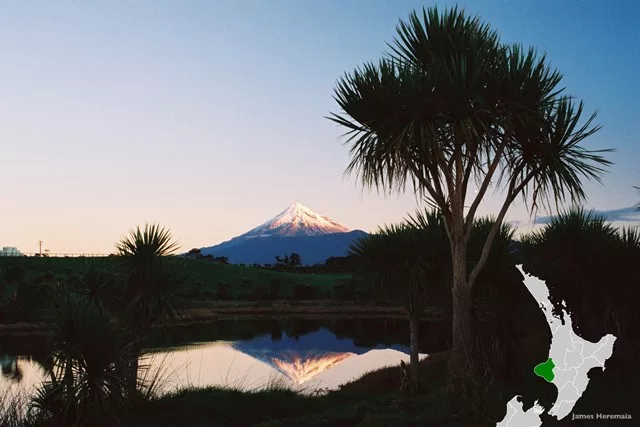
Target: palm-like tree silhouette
94, 365
87, 384
408, 262
586, 262
392, 261
411, 262
450, 106
152, 289
591, 268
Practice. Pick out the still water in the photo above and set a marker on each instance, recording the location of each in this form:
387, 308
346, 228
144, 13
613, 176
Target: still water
305, 355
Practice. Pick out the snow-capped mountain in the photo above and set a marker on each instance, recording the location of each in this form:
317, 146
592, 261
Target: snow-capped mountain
296, 229
297, 220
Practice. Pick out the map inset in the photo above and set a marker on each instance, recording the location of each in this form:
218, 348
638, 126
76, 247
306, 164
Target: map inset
570, 359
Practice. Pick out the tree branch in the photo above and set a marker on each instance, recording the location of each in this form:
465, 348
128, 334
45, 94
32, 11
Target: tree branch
511, 195
470, 155
435, 192
486, 182
442, 163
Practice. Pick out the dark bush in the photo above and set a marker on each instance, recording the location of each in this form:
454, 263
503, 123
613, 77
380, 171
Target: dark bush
246, 285
343, 291
209, 294
302, 291
24, 300
260, 293
48, 277
15, 273
224, 292
274, 289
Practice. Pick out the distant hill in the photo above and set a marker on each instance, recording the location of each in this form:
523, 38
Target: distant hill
296, 229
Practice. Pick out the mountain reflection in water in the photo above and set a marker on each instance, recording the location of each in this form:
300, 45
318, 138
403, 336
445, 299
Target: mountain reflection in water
304, 355
300, 369
301, 358
316, 360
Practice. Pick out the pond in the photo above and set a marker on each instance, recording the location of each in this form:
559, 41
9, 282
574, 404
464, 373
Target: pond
307, 355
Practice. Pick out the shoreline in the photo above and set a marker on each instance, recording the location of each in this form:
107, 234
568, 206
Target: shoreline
211, 312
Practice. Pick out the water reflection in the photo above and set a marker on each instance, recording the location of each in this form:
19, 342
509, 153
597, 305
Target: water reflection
10, 368
300, 358
364, 333
250, 366
246, 354
19, 379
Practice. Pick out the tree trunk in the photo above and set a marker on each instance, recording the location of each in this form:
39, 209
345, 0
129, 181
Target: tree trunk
414, 326
132, 364
132, 375
462, 346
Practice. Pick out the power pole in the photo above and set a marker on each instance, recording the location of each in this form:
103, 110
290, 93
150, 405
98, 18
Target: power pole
40, 244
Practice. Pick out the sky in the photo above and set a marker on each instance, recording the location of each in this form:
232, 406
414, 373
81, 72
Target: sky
209, 117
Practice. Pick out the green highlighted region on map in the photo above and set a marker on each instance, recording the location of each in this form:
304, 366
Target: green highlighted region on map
545, 370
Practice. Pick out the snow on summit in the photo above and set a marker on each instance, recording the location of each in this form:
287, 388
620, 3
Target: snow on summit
297, 220
296, 229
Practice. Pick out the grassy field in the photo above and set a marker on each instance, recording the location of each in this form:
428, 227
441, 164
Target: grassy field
205, 275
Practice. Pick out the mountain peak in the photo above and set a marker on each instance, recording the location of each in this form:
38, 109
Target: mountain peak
296, 229
297, 220
297, 206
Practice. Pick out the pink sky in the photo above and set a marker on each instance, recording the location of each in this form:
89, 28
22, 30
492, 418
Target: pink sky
209, 118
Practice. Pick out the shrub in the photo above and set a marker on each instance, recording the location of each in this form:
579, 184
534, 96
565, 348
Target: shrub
302, 291
15, 273
246, 285
260, 293
274, 289
87, 384
342, 292
224, 292
48, 277
23, 300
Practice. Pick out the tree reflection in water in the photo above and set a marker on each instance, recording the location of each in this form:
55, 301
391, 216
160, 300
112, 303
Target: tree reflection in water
10, 368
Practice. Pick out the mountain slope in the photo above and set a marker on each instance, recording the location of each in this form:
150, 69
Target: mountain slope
296, 229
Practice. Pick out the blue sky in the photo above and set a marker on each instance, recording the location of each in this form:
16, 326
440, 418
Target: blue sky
209, 116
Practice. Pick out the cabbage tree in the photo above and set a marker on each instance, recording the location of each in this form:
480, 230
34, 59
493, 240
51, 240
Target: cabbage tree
456, 112
396, 262
153, 289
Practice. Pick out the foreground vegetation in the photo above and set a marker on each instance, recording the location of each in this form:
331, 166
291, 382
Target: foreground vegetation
374, 399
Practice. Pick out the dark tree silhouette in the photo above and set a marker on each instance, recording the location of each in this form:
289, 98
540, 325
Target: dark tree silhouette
591, 269
452, 106
400, 261
295, 260
195, 253
15, 273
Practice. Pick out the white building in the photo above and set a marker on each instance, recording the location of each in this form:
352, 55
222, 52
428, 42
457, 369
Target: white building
10, 251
